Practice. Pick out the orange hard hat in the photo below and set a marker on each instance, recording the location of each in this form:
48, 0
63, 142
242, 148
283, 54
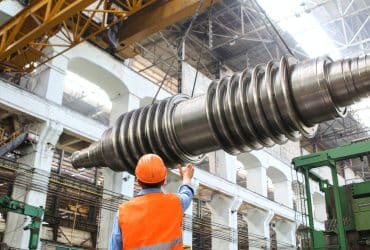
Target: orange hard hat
151, 169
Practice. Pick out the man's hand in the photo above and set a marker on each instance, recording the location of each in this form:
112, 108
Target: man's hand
186, 173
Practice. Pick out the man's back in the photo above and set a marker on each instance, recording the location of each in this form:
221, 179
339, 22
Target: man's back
152, 219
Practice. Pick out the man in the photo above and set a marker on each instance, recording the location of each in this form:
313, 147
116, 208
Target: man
153, 219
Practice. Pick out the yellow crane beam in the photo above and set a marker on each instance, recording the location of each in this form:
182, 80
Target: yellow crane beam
35, 21
158, 17
25, 37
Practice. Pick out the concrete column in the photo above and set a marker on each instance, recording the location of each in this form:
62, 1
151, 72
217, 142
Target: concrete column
257, 180
219, 206
231, 167
233, 222
223, 165
49, 83
258, 228
39, 159
224, 211
285, 233
118, 182
187, 235
217, 163
350, 176
283, 193
319, 206
173, 182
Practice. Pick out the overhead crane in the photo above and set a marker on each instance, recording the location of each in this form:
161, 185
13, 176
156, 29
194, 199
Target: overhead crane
26, 39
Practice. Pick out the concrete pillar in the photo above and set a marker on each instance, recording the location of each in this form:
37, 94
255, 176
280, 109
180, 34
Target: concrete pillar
257, 180
118, 182
39, 159
223, 165
187, 235
224, 211
49, 83
285, 233
231, 167
319, 206
173, 182
258, 228
233, 222
283, 193
220, 214
350, 176
217, 163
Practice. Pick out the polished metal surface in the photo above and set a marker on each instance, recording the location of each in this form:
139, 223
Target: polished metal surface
249, 110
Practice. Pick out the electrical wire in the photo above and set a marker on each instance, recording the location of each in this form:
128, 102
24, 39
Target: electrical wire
201, 51
54, 185
274, 28
183, 40
163, 81
197, 69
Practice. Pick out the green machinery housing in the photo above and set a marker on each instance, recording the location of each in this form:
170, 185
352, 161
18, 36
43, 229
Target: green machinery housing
35, 213
347, 207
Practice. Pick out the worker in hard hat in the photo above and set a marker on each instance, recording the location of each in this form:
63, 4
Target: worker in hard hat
153, 219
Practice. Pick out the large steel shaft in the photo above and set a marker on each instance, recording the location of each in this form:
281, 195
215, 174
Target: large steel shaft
249, 110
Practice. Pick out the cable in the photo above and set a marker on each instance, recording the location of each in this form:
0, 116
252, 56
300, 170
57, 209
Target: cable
179, 46
164, 79
201, 51
197, 69
274, 28
58, 186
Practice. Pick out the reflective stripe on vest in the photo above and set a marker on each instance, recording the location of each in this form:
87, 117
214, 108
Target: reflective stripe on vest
152, 221
162, 246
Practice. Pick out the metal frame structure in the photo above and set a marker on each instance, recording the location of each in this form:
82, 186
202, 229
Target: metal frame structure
35, 213
328, 158
338, 132
235, 34
25, 39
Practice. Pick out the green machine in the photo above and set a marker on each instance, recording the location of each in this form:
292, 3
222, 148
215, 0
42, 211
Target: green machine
35, 213
348, 207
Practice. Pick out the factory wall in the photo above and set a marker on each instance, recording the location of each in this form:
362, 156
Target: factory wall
253, 189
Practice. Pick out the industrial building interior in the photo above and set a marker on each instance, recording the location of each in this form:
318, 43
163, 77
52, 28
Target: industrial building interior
269, 99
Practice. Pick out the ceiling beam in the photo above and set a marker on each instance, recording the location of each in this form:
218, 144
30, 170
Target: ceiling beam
70, 142
5, 115
157, 17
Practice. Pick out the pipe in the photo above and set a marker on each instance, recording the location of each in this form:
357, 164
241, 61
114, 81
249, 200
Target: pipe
247, 111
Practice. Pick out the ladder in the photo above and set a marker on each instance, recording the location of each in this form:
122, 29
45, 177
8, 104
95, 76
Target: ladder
301, 213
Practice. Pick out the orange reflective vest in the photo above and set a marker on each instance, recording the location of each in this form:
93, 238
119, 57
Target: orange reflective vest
151, 221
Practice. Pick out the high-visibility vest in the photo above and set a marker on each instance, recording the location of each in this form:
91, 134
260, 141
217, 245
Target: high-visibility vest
151, 222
